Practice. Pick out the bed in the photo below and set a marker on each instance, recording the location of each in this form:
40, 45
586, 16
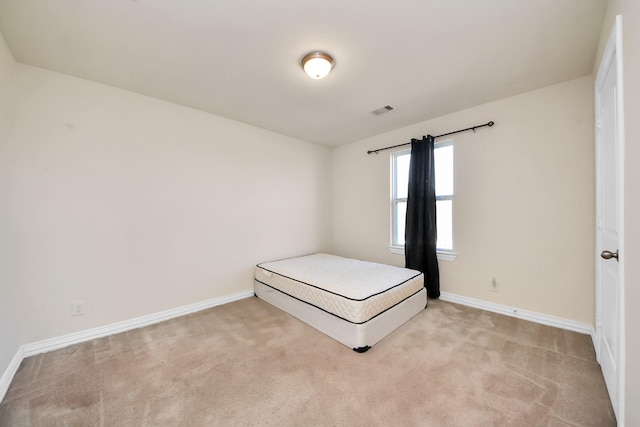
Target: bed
357, 303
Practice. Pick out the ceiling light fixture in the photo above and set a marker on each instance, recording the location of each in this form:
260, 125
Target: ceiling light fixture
317, 64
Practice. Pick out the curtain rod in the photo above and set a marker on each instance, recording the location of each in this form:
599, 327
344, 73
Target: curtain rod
473, 128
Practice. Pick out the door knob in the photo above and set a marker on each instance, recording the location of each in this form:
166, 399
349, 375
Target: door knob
609, 254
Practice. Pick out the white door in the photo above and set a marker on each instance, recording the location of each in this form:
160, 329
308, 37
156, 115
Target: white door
609, 202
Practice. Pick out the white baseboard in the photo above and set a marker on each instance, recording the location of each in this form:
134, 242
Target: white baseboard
10, 372
127, 325
51, 344
66, 340
594, 338
544, 319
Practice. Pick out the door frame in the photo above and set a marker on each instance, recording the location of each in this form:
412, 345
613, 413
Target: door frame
613, 51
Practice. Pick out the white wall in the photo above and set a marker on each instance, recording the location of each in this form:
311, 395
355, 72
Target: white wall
630, 10
9, 297
524, 202
136, 205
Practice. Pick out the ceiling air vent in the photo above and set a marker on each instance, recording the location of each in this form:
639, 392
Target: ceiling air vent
382, 110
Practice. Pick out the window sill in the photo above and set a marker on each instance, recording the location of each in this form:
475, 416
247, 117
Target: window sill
442, 255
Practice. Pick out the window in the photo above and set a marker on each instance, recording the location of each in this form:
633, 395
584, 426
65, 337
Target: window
443, 158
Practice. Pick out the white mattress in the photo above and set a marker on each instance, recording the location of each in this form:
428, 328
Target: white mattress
353, 290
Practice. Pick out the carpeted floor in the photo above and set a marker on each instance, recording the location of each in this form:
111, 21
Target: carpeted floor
247, 363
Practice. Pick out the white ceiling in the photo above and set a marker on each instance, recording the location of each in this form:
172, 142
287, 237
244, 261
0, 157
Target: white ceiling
240, 58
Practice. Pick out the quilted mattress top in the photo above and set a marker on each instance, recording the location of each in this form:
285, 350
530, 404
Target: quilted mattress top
352, 289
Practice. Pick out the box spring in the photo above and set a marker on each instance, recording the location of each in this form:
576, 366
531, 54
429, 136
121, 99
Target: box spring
355, 302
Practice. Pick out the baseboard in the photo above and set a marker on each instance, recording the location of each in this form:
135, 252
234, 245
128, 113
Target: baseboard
103, 331
139, 322
10, 372
127, 325
594, 338
544, 319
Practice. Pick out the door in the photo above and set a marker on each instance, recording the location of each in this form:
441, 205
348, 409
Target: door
610, 220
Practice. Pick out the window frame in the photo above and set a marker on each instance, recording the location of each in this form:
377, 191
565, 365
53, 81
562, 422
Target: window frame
443, 254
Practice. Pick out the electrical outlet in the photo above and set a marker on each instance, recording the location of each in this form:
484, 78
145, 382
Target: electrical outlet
77, 308
494, 285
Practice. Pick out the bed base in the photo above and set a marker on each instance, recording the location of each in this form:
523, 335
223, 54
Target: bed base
359, 337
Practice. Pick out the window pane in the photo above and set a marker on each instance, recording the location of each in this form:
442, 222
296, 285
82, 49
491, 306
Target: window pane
444, 224
443, 158
401, 215
402, 177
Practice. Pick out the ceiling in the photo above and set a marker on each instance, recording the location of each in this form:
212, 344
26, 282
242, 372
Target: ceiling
241, 58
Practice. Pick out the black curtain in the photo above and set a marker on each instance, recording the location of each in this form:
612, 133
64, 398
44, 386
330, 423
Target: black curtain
420, 231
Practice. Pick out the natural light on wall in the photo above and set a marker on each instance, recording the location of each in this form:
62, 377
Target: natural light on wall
443, 157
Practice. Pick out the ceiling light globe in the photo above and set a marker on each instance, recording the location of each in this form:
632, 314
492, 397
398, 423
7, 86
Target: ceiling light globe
317, 64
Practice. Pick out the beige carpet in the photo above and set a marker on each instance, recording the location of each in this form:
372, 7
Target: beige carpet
247, 363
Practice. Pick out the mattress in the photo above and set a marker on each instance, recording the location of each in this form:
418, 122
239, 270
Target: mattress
355, 291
